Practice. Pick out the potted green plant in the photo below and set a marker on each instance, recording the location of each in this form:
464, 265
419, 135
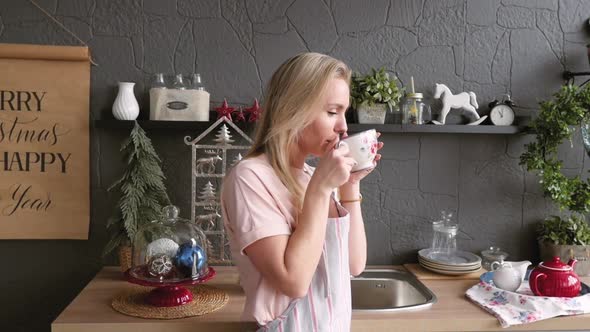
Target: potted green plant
142, 194
374, 94
556, 122
567, 238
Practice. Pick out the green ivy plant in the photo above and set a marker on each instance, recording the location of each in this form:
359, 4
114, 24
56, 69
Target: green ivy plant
573, 230
557, 120
378, 87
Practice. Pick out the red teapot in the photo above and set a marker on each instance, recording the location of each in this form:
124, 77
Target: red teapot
554, 278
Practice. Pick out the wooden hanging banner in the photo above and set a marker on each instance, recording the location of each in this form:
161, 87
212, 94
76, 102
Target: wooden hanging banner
44, 142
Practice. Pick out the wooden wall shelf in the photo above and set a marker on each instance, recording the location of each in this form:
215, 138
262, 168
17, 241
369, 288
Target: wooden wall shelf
353, 127
150, 124
444, 129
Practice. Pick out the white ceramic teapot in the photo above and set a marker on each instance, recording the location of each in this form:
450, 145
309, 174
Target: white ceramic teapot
509, 275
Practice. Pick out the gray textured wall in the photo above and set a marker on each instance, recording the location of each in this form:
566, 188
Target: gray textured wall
486, 46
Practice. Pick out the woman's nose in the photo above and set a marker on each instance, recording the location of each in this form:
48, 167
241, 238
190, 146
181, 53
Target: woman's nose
341, 126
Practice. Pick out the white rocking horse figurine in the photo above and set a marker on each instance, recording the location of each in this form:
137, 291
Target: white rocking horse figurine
464, 100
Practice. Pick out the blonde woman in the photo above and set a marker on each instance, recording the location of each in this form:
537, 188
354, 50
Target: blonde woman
294, 244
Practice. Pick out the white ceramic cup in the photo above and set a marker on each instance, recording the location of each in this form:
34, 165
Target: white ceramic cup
363, 148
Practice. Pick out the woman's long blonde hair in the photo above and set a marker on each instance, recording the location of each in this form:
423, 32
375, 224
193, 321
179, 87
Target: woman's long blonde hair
295, 87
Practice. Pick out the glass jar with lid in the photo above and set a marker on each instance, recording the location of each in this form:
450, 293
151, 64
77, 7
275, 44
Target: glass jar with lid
169, 250
414, 110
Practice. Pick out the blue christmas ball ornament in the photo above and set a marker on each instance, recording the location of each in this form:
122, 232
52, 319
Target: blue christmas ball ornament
191, 258
184, 255
201, 257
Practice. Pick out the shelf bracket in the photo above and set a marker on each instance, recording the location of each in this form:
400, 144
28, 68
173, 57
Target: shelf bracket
568, 75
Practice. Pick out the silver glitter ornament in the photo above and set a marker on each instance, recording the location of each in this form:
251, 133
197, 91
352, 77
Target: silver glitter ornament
160, 265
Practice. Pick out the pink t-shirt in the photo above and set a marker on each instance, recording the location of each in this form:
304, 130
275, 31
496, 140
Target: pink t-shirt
256, 205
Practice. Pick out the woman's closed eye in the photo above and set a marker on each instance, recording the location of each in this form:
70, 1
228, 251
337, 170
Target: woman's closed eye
333, 111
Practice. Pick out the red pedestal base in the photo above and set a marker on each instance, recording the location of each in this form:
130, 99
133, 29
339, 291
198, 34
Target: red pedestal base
169, 296
169, 293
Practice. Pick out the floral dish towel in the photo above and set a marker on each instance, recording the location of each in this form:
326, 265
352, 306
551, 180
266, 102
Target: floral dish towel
520, 307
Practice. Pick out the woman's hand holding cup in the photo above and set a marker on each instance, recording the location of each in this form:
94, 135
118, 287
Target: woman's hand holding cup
334, 168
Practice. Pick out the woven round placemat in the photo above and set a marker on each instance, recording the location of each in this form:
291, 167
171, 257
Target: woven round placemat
206, 299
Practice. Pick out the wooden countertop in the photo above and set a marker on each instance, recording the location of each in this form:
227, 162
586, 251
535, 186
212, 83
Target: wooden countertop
91, 311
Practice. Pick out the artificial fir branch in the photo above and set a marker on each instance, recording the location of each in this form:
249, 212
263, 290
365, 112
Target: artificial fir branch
141, 188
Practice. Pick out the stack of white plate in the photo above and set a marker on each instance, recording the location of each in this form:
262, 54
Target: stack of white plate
457, 263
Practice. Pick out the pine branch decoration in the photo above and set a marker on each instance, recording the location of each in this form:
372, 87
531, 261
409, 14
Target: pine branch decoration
141, 187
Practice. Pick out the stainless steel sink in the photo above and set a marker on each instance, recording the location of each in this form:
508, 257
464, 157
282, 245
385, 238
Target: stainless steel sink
387, 290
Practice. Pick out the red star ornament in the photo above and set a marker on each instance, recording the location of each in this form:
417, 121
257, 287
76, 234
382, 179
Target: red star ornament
255, 111
240, 116
224, 110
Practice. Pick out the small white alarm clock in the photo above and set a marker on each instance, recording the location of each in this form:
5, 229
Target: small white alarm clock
501, 112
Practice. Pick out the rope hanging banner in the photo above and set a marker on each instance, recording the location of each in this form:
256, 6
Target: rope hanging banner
64, 28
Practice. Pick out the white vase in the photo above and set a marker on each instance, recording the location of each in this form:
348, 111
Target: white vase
125, 106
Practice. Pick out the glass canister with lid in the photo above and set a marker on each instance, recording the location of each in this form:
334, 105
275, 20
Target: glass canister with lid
169, 250
444, 242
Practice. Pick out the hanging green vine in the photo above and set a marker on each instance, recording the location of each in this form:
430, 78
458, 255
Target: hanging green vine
557, 121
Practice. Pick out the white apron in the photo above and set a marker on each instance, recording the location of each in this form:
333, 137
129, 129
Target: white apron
327, 306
